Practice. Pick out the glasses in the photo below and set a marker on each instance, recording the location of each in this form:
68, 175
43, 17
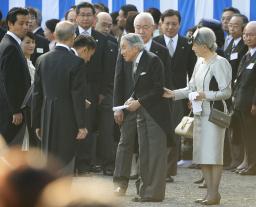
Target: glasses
235, 26
145, 27
249, 35
85, 15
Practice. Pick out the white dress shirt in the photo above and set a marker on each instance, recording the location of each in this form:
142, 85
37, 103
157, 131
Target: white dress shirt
88, 31
174, 41
148, 45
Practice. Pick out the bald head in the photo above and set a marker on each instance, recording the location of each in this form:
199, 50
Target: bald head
144, 26
103, 22
250, 34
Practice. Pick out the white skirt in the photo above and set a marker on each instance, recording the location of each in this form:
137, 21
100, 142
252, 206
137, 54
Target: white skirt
208, 142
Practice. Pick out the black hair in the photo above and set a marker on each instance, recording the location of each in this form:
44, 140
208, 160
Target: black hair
127, 8
232, 9
114, 16
84, 41
51, 24
101, 7
14, 12
84, 5
129, 26
169, 13
31, 35
243, 17
156, 14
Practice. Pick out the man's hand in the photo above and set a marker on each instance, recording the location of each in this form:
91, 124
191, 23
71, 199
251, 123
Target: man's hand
17, 118
168, 93
101, 97
82, 133
133, 105
119, 117
39, 133
253, 110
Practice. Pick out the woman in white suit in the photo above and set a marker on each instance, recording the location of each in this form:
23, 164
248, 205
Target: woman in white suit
211, 82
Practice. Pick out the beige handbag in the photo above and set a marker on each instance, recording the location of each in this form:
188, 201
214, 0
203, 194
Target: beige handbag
185, 127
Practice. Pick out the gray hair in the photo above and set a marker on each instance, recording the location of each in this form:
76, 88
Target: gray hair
205, 36
134, 40
144, 15
64, 30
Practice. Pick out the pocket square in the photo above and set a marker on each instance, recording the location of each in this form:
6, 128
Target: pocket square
143, 73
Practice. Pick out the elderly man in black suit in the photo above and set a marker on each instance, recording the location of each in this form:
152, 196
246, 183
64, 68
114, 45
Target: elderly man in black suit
234, 53
139, 84
182, 62
245, 99
58, 98
14, 75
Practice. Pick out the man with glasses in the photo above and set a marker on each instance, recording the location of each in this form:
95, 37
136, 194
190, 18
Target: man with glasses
245, 99
234, 53
96, 83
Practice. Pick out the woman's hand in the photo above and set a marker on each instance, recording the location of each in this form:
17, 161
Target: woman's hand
168, 93
201, 96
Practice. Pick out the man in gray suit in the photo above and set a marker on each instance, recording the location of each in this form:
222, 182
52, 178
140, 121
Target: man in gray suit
152, 117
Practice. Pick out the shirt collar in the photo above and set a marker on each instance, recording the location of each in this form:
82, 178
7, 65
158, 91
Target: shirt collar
62, 45
137, 60
74, 50
14, 36
237, 40
252, 51
35, 30
82, 30
148, 45
174, 40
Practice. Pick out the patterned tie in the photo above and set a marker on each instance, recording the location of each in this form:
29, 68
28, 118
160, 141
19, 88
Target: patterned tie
170, 47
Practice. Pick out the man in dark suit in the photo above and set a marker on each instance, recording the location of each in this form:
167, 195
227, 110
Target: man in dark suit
42, 44
58, 99
106, 147
14, 75
96, 83
234, 53
182, 63
2, 33
144, 101
245, 100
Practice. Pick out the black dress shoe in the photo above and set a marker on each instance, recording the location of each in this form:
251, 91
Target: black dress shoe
169, 179
134, 177
108, 172
249, 171
141, 200
203, 185
96, 168
199, 181
119, 191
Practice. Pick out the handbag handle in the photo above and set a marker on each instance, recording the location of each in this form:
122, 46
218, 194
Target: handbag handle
224, 104
185, 123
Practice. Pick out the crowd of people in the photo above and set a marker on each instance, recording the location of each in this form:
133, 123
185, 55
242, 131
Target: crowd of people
104, 93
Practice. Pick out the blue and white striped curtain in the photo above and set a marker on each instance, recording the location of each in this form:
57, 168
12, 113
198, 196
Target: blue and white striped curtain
191, 10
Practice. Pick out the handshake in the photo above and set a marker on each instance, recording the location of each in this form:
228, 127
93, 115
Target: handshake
168, 93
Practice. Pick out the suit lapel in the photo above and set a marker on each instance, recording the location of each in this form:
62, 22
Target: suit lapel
154, 48
245, 63
141, 67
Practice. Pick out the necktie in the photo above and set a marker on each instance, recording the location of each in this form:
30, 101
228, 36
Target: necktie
233, 47
170, 47
134, 69
85, 33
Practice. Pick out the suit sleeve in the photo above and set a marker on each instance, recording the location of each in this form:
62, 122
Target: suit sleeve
118, 82
14, 78
37, 99
78, 88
